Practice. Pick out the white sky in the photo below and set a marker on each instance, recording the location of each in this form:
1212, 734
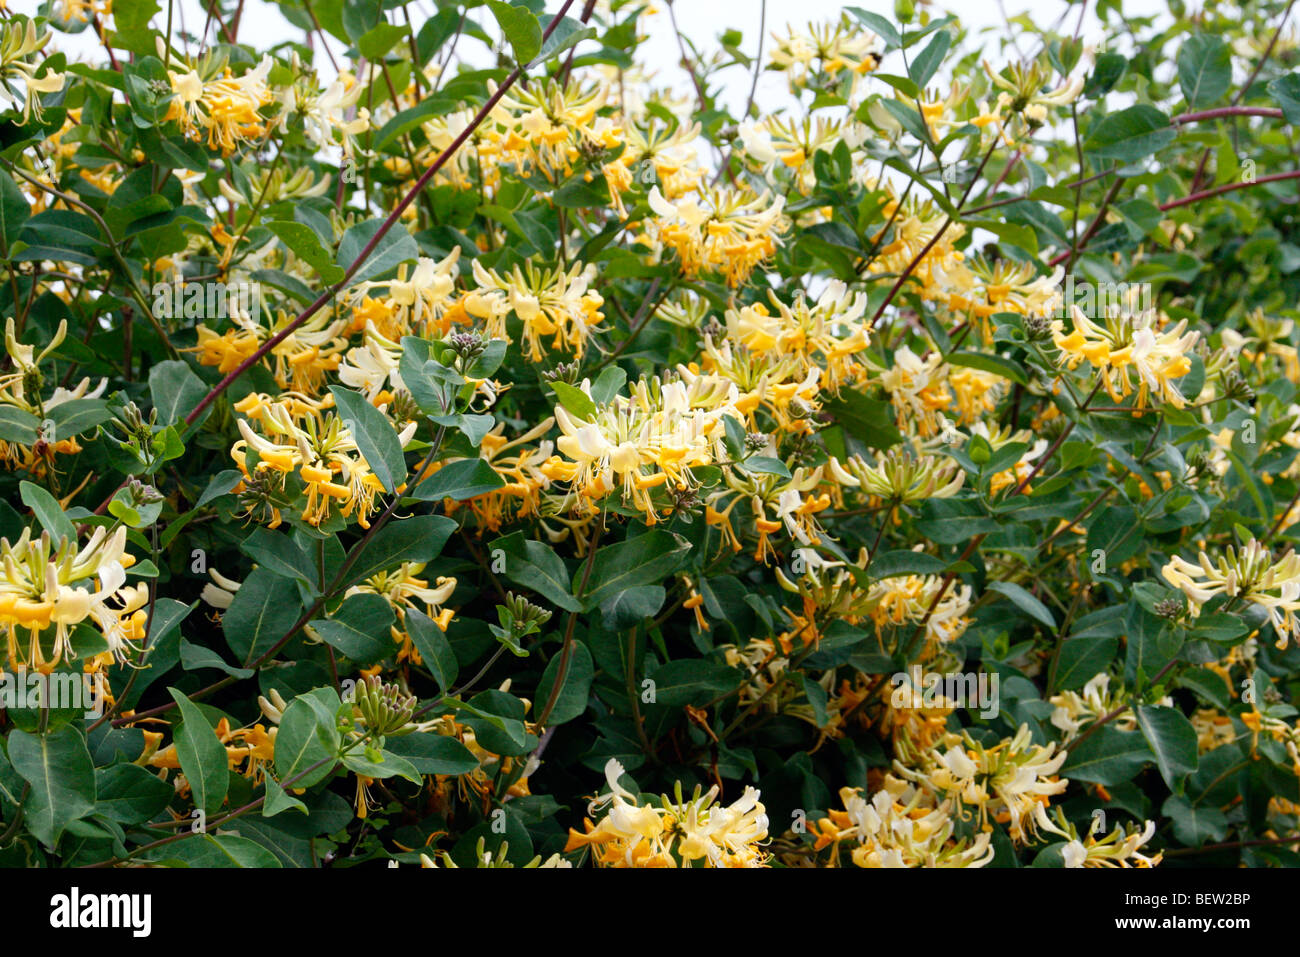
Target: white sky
701, 20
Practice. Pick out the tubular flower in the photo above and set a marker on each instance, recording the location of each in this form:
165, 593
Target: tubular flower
901, 478
299, 362
828, 49
19, 44
902, 825
677, 833
907, 599
1074, 709
1011, 781
723, 230
1250, 575
316, 446
638, 443
46, 589
1130, 343
828, 335
977, 289
416, 306
548, 302
225, 107
1119, 848
325, 112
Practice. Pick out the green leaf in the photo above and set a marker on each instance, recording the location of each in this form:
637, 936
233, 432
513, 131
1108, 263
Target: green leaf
18, 426
1286, 90
59, 769
998, 365
416, 539
77, 416
129, 794
174, 389
280, 554
568, 32
926, 63
433, 753
14, 211
535, 566
1082, 658
1172, 740
433, 647
376, 42
878, 25
905, 562
1194, 825
459, 480
766, 465
194, 657
1204, 69
217, 850
202, 756
1108, 757
572, 701
360, 628
522, 30
870, 421
374, 436
692, 681
48, 511
644, 560
278, 799
632, 606
306, 245
397, 246
308, 736
264, 609
574, 400
390, 765
1026, 602
1131, 134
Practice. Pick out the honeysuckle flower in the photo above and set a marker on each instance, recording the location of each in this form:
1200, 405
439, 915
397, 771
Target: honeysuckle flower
902, 825
558, 303
634, 444
47, 587
1251, 575
828, 335
1074, 709
320, 448
678, 833
1119, 848
416, 305
830, 48
1129, 345
1010, 781
324, 112
729, 231
225, 107
20, 42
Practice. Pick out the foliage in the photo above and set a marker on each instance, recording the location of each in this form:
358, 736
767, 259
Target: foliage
904, 476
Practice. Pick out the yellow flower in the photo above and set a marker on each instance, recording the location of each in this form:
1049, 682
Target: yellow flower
548, 302
1130, 345
730, 231
225, 107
